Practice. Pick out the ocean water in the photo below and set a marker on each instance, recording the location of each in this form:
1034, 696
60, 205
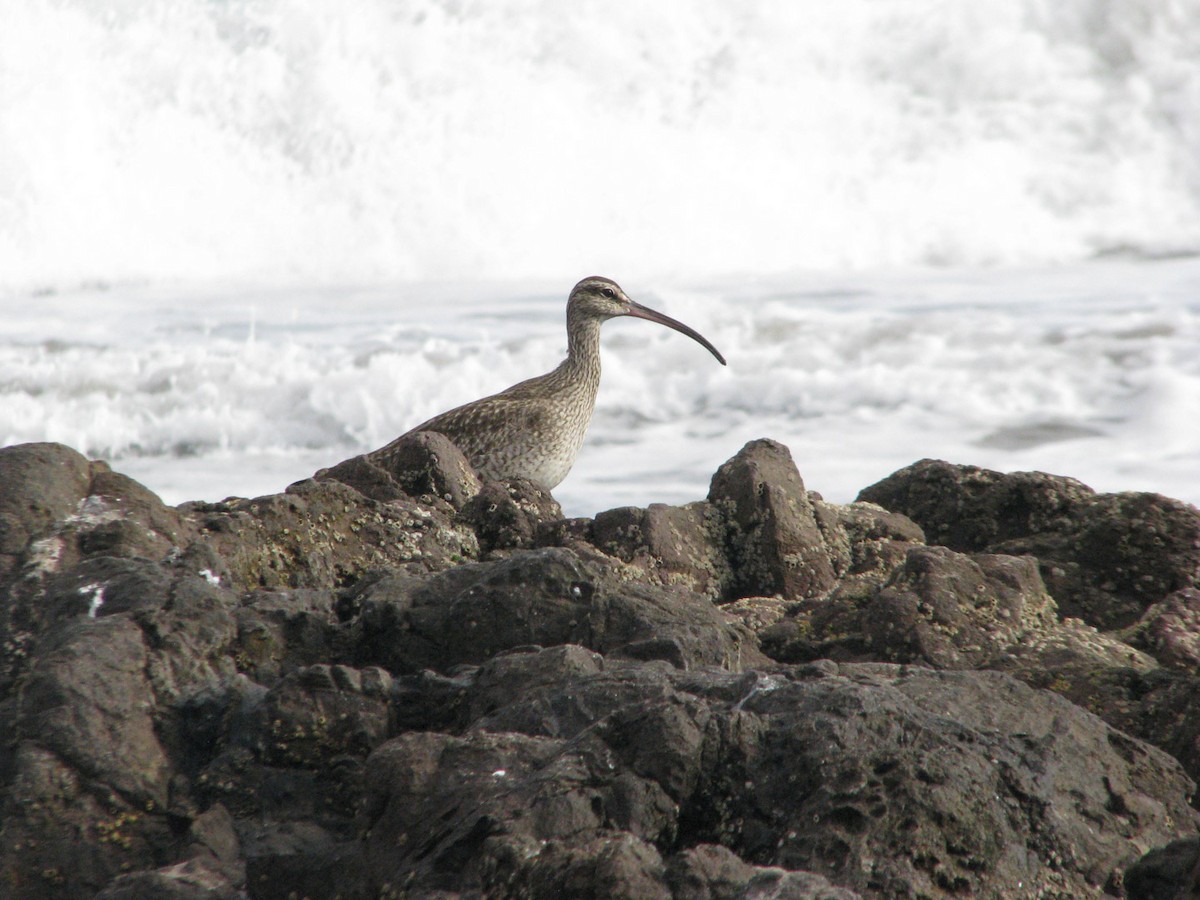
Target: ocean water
244, 239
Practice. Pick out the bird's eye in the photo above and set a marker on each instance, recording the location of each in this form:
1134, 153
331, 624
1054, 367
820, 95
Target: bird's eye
609, 293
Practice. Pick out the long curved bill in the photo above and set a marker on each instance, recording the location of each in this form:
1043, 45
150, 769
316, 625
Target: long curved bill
644, 312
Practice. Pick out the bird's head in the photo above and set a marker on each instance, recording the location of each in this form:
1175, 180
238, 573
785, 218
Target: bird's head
601, 299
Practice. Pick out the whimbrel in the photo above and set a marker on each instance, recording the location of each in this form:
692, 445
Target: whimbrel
534, 429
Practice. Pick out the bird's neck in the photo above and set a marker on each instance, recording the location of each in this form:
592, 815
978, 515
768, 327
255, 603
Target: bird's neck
583, 346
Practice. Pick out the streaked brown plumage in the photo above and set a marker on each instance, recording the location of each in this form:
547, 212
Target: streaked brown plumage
534, 429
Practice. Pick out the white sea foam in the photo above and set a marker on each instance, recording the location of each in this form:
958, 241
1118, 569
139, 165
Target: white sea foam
149, 139
1090, 370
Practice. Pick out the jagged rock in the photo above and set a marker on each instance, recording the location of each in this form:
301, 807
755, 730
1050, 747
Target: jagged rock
670, 545
40, 485
424, 465
1170, 631
325, 692
1105, 557
545, 597
510, 515
323, 534
369, 479
212, 870
187, 880
86, 775
955, 611
323, 712
1158, 706
939, 608
971, 510
1166, 873
922, 782
619, 866
301, 859
58, 510
191, 638
876, 541
85, 701
278, 631
711, 872
775, 545
122, 518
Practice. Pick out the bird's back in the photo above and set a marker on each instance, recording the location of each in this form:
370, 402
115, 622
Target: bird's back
533, 429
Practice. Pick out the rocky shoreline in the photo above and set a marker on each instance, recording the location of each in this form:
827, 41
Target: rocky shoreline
408, 683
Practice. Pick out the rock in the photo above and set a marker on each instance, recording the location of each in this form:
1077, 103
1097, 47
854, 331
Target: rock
369, 479
618, 866
362, 688
86, 777
323, 712
189, 880
1166, 873
323, 534
711, 872
300, 859
529, 672
122, 518
940, 608
1170, 631
85, 701
1124, 553
775, 545
669, 545
510, 515
191, 651
922, 782
971, 510
1158, 706
955, 611
57, 510
539, 597
425, 464
1105, 557
877, 541
213, 869
40, 484
278, 631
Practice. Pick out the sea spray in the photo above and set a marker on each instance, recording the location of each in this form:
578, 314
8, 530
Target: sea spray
429, 139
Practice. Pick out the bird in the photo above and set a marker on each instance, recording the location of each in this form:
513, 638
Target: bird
535, 428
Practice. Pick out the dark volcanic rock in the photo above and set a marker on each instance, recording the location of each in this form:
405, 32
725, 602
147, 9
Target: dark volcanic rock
711, 872
323, 534
58, 510
940, 608
212, 870
775, 544
323, 712
369, 479
1170, 631
955, 611
970, 510
1166, 873
922, 783
393, 681
876, 541
423, 465
510, 515
84, 759
670, 545
40, 485
1104, 557
540, 597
